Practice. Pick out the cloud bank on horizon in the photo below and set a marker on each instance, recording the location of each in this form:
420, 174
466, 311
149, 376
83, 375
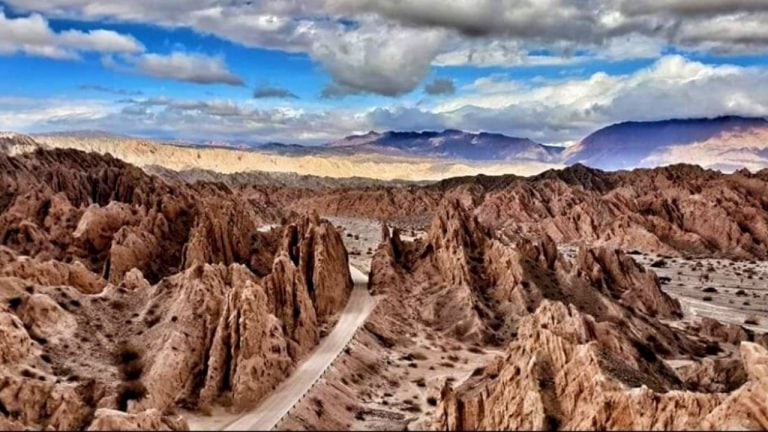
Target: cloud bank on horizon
315, 70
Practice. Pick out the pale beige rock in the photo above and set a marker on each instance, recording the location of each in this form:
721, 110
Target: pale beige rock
98, 224
44, 317
15, 343
565, 371
151, 419
50, 272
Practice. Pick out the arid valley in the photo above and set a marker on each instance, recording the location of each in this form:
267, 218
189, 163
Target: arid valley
573, 299
383, 215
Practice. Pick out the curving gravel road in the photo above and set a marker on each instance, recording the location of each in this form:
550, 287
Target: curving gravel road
289, 392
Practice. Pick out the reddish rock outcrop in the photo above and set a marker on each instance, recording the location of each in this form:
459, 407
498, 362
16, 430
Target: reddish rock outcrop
679, 209
152, 419
567, 371
463, 281
618, 275
50, 272
123, 296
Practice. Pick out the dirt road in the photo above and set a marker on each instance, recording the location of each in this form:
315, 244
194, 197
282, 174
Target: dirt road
290, 391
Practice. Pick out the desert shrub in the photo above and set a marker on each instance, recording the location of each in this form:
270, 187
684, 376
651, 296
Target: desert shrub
660, 263
14, 303
319, 407
475, 350
131, 366
151, 320
712, 348
412, 408
752, 319
432, 401
126, 353
553, 423
128, 391
707, 298
132, 370
709, 290
646, 353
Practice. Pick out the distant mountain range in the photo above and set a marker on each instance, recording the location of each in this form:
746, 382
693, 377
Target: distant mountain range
448, 144
452, 144
726, 143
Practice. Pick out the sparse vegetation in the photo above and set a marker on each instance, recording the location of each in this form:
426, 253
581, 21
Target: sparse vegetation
14, 302
131, 366
318, 406
128, 391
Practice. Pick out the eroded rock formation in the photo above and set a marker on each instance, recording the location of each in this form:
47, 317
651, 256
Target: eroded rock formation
464, 281
679, 209
586, 342
567, 371
123, 297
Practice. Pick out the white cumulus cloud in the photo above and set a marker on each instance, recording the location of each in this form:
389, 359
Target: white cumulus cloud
32, 35
196, 68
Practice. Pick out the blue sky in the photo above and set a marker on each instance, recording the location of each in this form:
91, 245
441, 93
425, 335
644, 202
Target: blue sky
322, 69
